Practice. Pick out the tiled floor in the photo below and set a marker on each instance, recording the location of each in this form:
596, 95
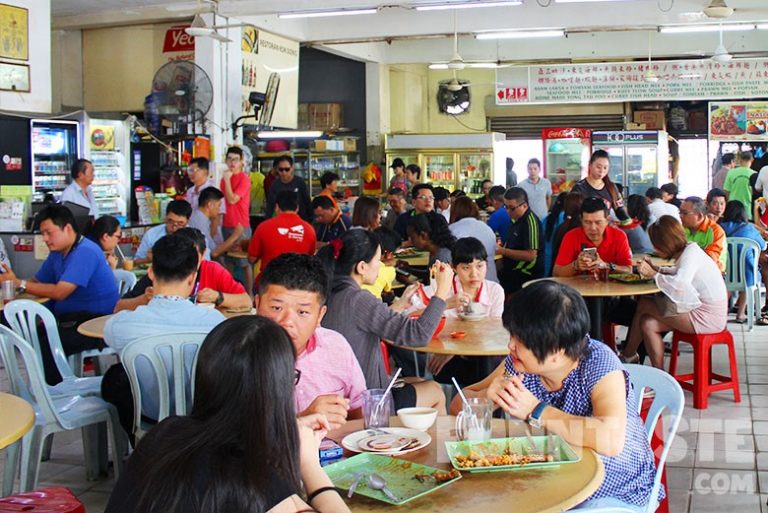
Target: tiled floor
718, 462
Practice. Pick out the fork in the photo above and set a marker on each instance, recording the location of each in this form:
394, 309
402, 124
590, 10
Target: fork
531, 441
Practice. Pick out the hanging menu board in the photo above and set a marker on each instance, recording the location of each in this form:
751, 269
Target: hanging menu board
622, 82
738, 121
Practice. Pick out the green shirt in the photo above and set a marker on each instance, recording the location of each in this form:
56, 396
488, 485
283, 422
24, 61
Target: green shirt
737, 185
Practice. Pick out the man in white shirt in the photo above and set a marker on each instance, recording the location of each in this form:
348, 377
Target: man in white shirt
198, 173
443, 202
761, 185
658, 207
539, 189
205, 218
80, 191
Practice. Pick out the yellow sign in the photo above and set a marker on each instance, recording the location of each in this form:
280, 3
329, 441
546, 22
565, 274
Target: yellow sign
14, 32
102, 138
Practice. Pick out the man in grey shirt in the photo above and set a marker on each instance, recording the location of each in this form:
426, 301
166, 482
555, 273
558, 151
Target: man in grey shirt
539, 189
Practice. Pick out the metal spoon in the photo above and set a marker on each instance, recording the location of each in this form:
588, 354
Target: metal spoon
376, 482
358, 477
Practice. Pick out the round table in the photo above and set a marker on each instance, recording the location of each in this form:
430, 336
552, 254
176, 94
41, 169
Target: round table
18, 417
521, 491
487, 337
25, 295
597, 291
421, 258
95, 327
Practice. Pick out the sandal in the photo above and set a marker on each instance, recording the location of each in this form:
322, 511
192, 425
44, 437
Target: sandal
635, 358
764, 310
762, 321
739, 321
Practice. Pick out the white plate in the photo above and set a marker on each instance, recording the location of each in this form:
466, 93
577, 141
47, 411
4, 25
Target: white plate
384, 443
352, 440
473, 317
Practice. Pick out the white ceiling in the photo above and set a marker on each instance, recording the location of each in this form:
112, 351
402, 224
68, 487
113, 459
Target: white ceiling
619, 31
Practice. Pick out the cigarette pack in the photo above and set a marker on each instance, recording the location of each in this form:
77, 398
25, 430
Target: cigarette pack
330, 450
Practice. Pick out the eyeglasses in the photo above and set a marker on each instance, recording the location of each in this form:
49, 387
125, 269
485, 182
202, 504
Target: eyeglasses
296, 376
425, 198
283, 169
512, 209
176, 224
233, 159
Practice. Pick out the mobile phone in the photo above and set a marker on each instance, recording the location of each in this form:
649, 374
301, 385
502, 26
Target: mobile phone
590, 253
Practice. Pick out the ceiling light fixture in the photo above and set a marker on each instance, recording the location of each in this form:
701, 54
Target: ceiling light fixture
467, 5
322, 14
476, 65
689, 29
290, 134
520, 34
586, 1
762, 26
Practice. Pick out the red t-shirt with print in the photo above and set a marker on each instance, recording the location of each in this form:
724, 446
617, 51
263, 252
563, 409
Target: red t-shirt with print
613, 250
286, 233
237, 213
215, 276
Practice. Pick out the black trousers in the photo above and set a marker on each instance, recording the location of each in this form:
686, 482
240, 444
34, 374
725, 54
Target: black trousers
116, 390
72, 342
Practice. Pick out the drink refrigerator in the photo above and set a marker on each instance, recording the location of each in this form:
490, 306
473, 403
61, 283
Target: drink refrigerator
638, 159
55, 148
566, 156
108, 144
453, 161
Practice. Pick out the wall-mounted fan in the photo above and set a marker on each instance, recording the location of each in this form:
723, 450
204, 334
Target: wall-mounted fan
453, 96
183, 93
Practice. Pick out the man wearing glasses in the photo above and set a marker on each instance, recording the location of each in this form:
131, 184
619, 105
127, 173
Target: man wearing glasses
199, 175
524, 241
703, 231
288, 181
423, 201
177, 216
236, 186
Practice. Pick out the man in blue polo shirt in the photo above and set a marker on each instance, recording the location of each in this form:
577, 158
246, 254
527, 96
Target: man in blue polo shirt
177, 215
525, 241
77, 279
499, 220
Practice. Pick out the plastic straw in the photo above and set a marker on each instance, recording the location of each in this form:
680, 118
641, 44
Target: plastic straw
389, 387
458, 389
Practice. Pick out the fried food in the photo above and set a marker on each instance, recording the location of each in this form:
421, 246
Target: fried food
477, 460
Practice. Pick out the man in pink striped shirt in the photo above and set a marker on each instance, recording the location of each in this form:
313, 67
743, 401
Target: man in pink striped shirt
292, 292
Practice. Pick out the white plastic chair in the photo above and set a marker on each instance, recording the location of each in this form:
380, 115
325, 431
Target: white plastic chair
735, 274
158, 354
53, 415
669, 397
22, 316
125, 281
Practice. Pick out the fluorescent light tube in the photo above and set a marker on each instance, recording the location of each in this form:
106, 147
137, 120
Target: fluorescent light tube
586, 1
520, 34
762, 26
321, 14
442, 65
290, 134
688, 29
468, 5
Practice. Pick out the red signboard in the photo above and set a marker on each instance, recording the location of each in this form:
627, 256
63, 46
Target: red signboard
566, 133
176, 40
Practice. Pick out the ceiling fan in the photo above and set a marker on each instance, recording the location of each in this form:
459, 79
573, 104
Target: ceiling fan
721, 52
650, 76
719, 9
199, 28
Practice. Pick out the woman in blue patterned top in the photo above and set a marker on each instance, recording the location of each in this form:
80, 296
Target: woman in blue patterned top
557, 378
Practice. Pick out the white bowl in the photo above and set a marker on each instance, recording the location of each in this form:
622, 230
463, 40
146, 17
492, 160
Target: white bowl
417, 418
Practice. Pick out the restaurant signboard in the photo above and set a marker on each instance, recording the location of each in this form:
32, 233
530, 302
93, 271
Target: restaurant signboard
701, 79
738, 121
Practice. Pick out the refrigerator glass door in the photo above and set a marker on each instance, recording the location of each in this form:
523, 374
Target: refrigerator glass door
616, 160
473, 169
642, 169
407, 158
564, 162
440, 170
54, 151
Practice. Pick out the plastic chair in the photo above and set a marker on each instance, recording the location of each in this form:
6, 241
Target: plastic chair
669, 396
158, 354
736, 277
53, 415
22, 316
125, 281
700, 381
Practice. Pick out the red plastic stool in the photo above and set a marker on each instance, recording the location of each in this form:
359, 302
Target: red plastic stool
701, 381
609, 335
44, 500
385, 355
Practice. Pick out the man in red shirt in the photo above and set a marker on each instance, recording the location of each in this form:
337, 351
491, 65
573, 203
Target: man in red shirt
612, 253
284, 233
236, 186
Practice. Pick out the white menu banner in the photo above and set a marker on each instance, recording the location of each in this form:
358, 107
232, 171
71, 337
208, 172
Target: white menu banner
701, 79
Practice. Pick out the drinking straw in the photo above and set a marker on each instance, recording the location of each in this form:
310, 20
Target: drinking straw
458, 389
389, 387
119, 252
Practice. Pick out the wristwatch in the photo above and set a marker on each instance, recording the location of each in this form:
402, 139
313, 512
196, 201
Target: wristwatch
534, 419
612, 267
22, 287
219, 300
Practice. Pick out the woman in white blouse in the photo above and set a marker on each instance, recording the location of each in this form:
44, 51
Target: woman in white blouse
693, 297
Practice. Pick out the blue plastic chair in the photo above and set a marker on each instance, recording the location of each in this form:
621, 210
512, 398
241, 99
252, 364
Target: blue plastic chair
736, 274
23, 316
172, 359
53, 415
126, 280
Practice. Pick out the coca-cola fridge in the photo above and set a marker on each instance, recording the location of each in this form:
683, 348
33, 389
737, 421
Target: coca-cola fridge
566, 156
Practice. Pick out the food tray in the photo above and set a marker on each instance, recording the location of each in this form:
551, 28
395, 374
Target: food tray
562, 453
399, 474
630, 278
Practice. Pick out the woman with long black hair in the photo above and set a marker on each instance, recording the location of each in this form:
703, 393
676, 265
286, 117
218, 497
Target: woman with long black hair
598, 184
241, 448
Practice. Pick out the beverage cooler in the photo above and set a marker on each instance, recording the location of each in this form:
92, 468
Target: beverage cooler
453, 161
566, 156
108, 144
55, 148
638, 159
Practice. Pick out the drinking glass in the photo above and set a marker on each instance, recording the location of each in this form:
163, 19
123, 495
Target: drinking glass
474, 420
375, 415
9, 290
